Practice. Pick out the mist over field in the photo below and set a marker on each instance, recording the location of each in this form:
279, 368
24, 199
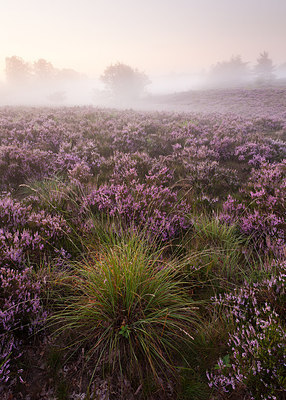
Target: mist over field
57, 53
79, 89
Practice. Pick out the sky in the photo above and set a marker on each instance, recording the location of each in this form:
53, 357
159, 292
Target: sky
156, 36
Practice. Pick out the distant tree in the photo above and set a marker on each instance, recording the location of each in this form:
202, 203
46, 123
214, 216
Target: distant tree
264, 68
232, 72
124, 81
17, 70
44, 70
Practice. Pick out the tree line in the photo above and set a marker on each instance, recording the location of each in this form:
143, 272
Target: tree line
123, 81
19, 71
236, 71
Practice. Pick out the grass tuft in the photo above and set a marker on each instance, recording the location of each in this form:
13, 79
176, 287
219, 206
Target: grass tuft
128, 309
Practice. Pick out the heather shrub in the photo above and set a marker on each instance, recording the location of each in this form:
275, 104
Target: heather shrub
253, 153
260, 213
130, 138
25, 233
130, 166
21, 315
256, 357
18, 164
155, 209
80, 173
208, 181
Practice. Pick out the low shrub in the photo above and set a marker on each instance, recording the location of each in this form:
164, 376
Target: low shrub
155, 209
256, 358
21, 315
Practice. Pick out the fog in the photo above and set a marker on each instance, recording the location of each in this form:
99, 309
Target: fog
40, 83
50, 94
88, 91
55, 52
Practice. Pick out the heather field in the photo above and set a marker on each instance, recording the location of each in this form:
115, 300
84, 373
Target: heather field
143, 253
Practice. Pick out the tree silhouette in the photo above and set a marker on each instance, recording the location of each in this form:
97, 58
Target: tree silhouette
264, 68
232, 72
17, 70
124, 81
44, 70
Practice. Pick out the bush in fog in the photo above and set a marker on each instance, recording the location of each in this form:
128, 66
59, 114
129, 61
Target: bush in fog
17, 70
44, 70
124, 82
230, 73
264, 68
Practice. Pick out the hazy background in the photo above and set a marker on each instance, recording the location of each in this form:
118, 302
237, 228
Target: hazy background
176, 43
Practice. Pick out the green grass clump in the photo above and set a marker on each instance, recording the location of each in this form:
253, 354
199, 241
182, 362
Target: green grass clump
128, 309
217, 252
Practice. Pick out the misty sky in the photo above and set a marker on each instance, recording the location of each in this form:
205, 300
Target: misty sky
156, 36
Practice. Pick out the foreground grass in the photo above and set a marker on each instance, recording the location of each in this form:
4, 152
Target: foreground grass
128, 309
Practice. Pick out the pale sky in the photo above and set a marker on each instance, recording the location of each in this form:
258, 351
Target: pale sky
156, 36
